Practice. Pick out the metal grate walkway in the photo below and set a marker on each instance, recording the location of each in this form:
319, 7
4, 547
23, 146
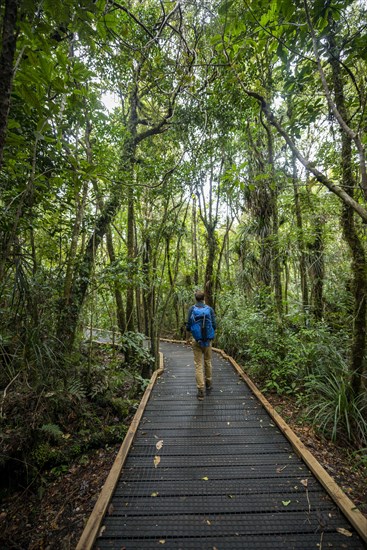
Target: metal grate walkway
226, 477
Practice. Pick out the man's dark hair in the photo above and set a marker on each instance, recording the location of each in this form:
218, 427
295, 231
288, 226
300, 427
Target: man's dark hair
199, 295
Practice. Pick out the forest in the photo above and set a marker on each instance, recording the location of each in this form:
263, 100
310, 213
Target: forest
149, 148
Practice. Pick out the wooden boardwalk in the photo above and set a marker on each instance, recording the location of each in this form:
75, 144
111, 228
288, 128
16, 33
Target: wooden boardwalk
216, 474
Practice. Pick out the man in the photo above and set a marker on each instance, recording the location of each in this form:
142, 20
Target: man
201, 323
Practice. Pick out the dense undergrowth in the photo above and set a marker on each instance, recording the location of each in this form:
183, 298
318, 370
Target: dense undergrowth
305, 360
46, 423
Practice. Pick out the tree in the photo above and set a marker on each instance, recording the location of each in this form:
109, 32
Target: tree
8, 49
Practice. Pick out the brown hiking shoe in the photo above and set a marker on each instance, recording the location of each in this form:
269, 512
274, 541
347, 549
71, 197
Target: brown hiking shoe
200, 394
208, 386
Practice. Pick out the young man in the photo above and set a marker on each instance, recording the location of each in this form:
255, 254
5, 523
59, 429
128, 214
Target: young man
202, 345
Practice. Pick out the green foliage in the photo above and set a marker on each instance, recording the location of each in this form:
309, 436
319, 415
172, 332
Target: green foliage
68, 417
308, 363
332, 407
360, 457
250, 334
70, 166
52, 431
136, 354
42, 454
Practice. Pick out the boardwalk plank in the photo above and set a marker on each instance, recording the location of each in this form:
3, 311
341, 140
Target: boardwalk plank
236, 542
227, 477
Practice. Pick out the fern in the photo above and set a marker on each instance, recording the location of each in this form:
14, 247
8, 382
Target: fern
76, 388
53, 431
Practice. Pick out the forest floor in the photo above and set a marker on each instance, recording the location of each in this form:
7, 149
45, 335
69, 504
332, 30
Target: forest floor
55, 517
347, 468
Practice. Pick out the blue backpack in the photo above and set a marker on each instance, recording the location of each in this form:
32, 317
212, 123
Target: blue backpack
201, 325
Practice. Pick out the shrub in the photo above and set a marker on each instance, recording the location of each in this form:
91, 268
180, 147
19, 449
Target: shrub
309, 362
333, 408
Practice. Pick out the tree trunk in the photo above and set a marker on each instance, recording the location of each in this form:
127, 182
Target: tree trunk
131, 259
276, 269
138, 309
286, 284
209, 269
154, 340
172, 285
222, 252
147, 281
195, 243
70, 311
79, 215
264, 219
350, 231
317, 270
359, 286
275, 260
300, 238
9, 42
120, 313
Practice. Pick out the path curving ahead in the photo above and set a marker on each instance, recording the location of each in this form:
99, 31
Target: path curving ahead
216, 474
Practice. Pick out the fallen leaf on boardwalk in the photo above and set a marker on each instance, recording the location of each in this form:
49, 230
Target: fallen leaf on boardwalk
205, 478
103, 529
344, 532
159, 445
156, 461
208, 522
281, 468
162, 541
230, 496
286, 502
154, 494
156, 437
304, 482
110, 509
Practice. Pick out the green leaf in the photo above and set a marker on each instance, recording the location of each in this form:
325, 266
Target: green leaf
227, 4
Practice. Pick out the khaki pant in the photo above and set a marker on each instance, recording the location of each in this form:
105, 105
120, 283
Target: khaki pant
199, 352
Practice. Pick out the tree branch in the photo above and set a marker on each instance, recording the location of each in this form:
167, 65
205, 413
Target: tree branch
124, 9
347, 199
342, 123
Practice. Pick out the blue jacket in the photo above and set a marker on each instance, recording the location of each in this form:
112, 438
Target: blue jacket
212, 315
